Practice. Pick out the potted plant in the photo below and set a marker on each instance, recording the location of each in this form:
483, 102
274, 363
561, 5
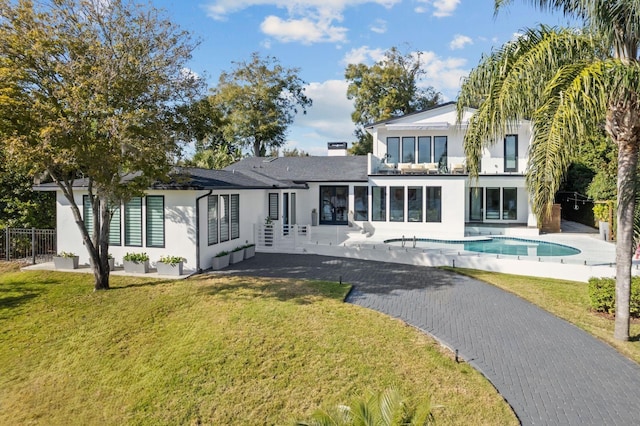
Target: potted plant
170, 265
112, 262
136, 263
237, 254
249, 251
66, 260
221, 260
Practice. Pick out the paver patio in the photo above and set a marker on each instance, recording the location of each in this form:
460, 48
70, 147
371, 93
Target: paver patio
548, 370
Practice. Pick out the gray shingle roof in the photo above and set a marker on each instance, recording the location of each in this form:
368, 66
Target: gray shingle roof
304, 169
195, 178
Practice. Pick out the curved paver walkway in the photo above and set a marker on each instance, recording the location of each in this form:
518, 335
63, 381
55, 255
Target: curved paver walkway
549, 371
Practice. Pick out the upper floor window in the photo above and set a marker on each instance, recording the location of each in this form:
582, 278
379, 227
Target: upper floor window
424, 149
393, 150
440, 150
408, 149
511, 153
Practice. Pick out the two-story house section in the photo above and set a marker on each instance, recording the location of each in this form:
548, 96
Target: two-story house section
419, 183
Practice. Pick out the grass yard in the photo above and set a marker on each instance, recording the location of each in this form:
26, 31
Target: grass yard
566, 299
211, 351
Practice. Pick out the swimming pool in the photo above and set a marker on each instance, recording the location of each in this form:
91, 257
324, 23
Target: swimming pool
493, 245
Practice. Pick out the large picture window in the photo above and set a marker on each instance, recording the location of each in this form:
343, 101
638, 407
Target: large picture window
224, 218
408, 149
361, 200
133, 222
396, 204
510, 203
434, 204
440, 150
511, 153
212, 219
379, 203
393, 150
414, 196
493, 203
155, 220
424, 149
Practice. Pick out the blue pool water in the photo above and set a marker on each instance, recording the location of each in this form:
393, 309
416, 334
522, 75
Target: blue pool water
496, 245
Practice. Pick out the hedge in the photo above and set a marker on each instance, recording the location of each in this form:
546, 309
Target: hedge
602, 295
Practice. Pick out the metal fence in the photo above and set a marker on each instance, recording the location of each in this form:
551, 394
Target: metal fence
34, 245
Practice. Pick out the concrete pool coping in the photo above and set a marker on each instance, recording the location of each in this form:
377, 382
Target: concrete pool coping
596, 259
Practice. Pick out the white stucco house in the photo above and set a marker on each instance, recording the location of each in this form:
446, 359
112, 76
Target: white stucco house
415, 183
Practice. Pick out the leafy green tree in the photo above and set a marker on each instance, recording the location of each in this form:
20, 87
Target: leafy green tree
258, 101
294, 152
389, 88
20, 205
203, 127
569, 82
91, 89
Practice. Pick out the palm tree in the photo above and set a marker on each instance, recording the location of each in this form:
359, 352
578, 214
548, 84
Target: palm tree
387, 408
572, 83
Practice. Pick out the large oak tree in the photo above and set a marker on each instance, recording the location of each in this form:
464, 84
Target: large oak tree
258, 101
389, 88
90, 89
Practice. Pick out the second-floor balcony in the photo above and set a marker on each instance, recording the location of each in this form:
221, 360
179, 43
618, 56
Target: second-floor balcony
452, 166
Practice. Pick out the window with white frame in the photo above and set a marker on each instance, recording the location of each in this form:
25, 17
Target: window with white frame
133, 222
212, 219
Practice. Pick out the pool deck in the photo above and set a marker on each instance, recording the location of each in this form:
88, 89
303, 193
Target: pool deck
596, 257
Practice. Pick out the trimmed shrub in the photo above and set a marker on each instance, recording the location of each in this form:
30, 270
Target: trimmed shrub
602, 295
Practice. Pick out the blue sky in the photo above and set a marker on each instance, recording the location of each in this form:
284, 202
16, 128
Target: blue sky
321, 37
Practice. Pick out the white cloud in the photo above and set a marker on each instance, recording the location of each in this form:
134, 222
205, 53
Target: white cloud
308, 21
303, 30
444, 74
363, 55
459, 42
329, 119
379, 26
442, 8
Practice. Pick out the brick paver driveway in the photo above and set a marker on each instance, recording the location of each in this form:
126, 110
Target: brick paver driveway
549, 371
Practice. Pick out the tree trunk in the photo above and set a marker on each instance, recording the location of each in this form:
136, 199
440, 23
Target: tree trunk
101, 262
623, 125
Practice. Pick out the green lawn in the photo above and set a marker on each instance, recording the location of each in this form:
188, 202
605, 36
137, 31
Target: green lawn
211, 351
565, 299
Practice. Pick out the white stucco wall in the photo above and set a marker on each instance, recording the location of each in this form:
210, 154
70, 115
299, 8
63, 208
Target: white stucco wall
179, 208
253, 209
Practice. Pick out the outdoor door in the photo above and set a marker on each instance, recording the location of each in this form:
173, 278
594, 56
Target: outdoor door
475, 204
334, 205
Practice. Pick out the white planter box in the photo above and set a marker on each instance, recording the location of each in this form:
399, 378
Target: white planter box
237, 256
249, 252
169, 269
221, 262
136, 267
65, 262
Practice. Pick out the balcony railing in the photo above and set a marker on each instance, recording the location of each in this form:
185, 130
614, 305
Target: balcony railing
455, 165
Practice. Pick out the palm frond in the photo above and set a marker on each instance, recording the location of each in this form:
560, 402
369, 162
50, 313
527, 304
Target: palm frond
509, 85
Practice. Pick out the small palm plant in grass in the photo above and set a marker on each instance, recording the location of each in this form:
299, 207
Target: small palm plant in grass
387, 408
